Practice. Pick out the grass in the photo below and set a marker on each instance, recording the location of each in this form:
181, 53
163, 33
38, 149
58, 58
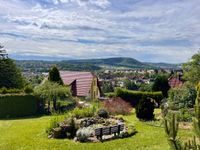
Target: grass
28, 134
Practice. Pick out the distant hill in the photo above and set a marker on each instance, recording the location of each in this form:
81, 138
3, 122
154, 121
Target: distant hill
92, 64
122, 62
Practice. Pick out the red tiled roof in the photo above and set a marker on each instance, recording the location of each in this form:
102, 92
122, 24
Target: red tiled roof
175, 82
83, 81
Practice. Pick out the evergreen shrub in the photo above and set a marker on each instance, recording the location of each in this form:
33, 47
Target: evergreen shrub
145, 109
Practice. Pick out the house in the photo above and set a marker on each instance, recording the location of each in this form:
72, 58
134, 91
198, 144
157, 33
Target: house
175, 81
83, 84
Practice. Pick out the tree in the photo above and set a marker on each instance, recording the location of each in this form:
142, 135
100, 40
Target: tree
54, 75
161, 84
191, 70
182, 97
52, 91
145, 109
130, 85
10, 75
107, 87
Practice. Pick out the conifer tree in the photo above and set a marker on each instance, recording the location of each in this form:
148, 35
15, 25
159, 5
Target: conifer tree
54, 75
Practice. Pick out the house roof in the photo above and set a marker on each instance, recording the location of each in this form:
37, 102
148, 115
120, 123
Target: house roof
83, 81
175, 81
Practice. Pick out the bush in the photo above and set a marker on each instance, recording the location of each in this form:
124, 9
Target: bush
145, 109
116, 106
183, 97
84, 133
103, 113
10, 91
83, 112
133, 97
185, 115
28, 89
19, 105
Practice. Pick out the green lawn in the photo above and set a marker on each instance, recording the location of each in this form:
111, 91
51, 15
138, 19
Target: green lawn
27, 134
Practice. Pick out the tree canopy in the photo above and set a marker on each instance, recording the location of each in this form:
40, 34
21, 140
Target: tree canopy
191, 70
54, 75
10, 75
52, 91
161, 84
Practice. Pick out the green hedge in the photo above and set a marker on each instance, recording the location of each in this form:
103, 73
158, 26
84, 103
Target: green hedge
18, 105
10, 91
133, 97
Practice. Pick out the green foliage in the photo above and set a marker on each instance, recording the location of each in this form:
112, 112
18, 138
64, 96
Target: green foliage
191, 70
84, 133
183, 97
10, 91
54, 75
196, 120
18, 105
83, 112
161, 84
133, 97
52, 91
145, 109
28, 89
107, 87
171, 130
130, 85
10, 75
185, 115
145, 87
54, 123
103, 113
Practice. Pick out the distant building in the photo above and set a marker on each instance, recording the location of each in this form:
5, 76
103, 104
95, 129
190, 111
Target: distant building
83, 84
175, 81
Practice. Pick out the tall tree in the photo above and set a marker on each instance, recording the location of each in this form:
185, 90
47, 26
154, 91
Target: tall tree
161, 84
191, 70
52, 91
10, 75
54, 75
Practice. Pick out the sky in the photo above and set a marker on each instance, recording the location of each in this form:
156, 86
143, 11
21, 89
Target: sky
147, 30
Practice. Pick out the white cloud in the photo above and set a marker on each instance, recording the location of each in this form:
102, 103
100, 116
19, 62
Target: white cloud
101, 28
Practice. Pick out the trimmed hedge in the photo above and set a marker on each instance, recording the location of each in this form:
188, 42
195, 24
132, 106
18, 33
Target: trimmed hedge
133, 97
10, 91
18, 105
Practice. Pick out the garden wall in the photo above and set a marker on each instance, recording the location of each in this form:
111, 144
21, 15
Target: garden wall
133, 97
18, 105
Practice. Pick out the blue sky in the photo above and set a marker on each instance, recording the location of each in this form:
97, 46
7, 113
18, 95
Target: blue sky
148, 30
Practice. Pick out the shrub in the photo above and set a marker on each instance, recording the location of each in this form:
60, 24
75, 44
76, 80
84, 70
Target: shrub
28, 89
117, 106
133, 97
18, 105
185, 115
10, 91
83, 112
84, 133
103, 113
181, 98
145, 109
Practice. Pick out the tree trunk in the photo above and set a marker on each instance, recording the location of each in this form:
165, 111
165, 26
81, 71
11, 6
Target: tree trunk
54, 103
